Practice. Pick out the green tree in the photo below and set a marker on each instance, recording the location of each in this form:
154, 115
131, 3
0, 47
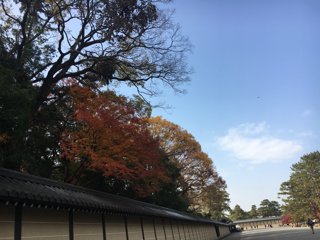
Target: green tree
275, 208
32, 149
238, 214
302, 192
169, 194
216, 203
268, 209
253, 212
264, 210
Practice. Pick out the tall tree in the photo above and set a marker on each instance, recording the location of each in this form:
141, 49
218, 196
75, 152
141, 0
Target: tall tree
94, 41
268, 209
34, 147
216, 202
169, 194
111, 139
238, 214
275, 208
197, 170
302, 192
253, 212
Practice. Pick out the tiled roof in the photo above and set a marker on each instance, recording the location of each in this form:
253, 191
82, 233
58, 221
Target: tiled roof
33, 190
257, 220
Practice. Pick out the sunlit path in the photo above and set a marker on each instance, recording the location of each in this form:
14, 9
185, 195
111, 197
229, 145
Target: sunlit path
284, 233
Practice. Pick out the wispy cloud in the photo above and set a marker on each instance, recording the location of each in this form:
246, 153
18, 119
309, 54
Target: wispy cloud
307, 134
244, 144
307, 112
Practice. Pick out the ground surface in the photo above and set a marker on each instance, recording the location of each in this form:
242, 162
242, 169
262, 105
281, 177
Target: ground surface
281, 233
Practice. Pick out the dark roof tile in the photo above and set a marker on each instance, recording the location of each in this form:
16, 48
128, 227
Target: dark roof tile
23, 187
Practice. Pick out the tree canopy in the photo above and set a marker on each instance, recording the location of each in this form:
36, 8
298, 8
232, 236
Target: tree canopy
197, 170
216, 202
301, 192
269, 208
253, 212
110, 137
57, 119
286, 219
238, 214
92, 41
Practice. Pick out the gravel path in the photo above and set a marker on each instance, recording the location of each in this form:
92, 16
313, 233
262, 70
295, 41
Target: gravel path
279, 233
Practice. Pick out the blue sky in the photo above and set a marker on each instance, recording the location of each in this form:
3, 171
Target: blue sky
253, 103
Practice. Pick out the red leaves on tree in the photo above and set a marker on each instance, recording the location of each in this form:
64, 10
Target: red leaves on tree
286, 219
111, 136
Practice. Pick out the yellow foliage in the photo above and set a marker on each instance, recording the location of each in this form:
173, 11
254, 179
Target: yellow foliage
3, 138
196, 167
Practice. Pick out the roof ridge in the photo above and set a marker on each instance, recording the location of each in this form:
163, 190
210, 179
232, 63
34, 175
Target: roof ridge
50, 182
130, 203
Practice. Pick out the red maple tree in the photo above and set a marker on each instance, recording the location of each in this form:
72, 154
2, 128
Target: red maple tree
286, 219
111, 136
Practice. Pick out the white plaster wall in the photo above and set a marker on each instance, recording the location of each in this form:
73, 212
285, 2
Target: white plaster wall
87, 226
40, 223
224, 230
148, 229
182, 231
168, 229
212, 233
115, 227
159, 229
134, 228
6, 221
176, 234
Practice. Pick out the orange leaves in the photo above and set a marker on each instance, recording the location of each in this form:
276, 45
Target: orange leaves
197, 170
111, 137
3, 138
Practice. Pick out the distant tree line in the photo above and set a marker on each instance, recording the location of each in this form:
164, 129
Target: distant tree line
267, 209
300, 194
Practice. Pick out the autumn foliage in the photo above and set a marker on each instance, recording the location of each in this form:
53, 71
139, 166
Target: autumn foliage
110, 137
197, 169
286, 219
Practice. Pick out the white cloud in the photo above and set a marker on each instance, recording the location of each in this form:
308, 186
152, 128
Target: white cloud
251, 168
257, 149
306, 112
306, 134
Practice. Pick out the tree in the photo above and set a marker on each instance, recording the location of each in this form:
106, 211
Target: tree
169, 195
275, 208
301, 192
216, 202
197, 170
253, 212
269, 209
286, 219
35, 148
238, 214
109, 139
130, 41
13, 117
